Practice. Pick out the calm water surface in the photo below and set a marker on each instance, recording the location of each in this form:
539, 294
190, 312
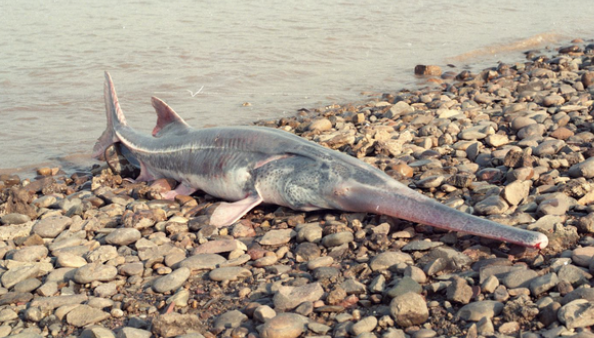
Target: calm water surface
207, 58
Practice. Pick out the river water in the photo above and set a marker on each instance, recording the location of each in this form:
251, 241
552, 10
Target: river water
208, 58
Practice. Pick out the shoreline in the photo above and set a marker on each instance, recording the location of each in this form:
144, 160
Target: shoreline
91, 254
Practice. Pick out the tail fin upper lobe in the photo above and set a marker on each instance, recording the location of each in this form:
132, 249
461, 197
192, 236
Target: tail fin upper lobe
115, 117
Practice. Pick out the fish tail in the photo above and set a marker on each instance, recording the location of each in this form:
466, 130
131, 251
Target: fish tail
115, 118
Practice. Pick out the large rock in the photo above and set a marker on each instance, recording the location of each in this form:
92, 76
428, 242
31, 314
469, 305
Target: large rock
84, 315
289, 297
578, 313
284, 325
175, 324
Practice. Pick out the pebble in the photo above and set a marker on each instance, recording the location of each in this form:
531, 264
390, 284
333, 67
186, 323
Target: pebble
284, 325
31, 253
51, 227
202, 261
172, 281
478, 310
385, 260
123, 236
409, 309
84, 315
320, 125
19, 274
338, 239
229, 273
95, 272
366, 324
288, 297
277, 237
14, 218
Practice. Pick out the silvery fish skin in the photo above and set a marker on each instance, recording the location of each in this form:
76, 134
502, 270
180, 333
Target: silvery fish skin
253, 165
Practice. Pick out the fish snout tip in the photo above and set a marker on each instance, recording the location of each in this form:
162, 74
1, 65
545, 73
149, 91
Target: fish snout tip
542, 241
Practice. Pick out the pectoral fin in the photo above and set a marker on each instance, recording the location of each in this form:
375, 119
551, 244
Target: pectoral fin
228, 213
181, 189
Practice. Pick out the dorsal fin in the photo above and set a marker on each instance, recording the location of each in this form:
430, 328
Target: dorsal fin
166, 116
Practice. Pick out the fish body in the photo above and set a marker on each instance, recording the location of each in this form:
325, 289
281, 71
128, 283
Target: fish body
253, 165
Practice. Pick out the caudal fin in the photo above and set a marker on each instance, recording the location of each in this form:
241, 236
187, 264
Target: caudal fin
167, 118
115, 116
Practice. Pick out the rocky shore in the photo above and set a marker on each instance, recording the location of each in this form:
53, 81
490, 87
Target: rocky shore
93, 255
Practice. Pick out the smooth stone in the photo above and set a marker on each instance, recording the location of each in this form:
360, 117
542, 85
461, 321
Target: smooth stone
67, 260
229, 273
95, 272
338, 239
459, 291
387, 259
132, 332
84, 315
8, 315
366, 324
284, 325
51, 227
409, 309
97, 332
403, 286
31, 253
14, 218
202, 262
19, 274
517, 191
476, 311
277, 237
320, 125
583, 169
106, 290
289, 297
218, 246
519, 279
230, 319
123, 236
53, 302
583, 256
172, 281
28, 285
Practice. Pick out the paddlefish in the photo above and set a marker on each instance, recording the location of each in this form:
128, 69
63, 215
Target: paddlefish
247, 166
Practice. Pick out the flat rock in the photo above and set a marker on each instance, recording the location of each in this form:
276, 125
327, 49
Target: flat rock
14, 218
583, 256
544, 283
172, 281
19, 274
202, 261
132, 332
51, 227
289, 297
95, 272
31, 253
9, 232
577, 313
229, 273
476, 311
123, 236
84, 315
284, 325
385, 260
277, 237
218, 246
229, 319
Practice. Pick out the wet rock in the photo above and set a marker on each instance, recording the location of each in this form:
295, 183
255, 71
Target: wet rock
429, 70
409, 309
